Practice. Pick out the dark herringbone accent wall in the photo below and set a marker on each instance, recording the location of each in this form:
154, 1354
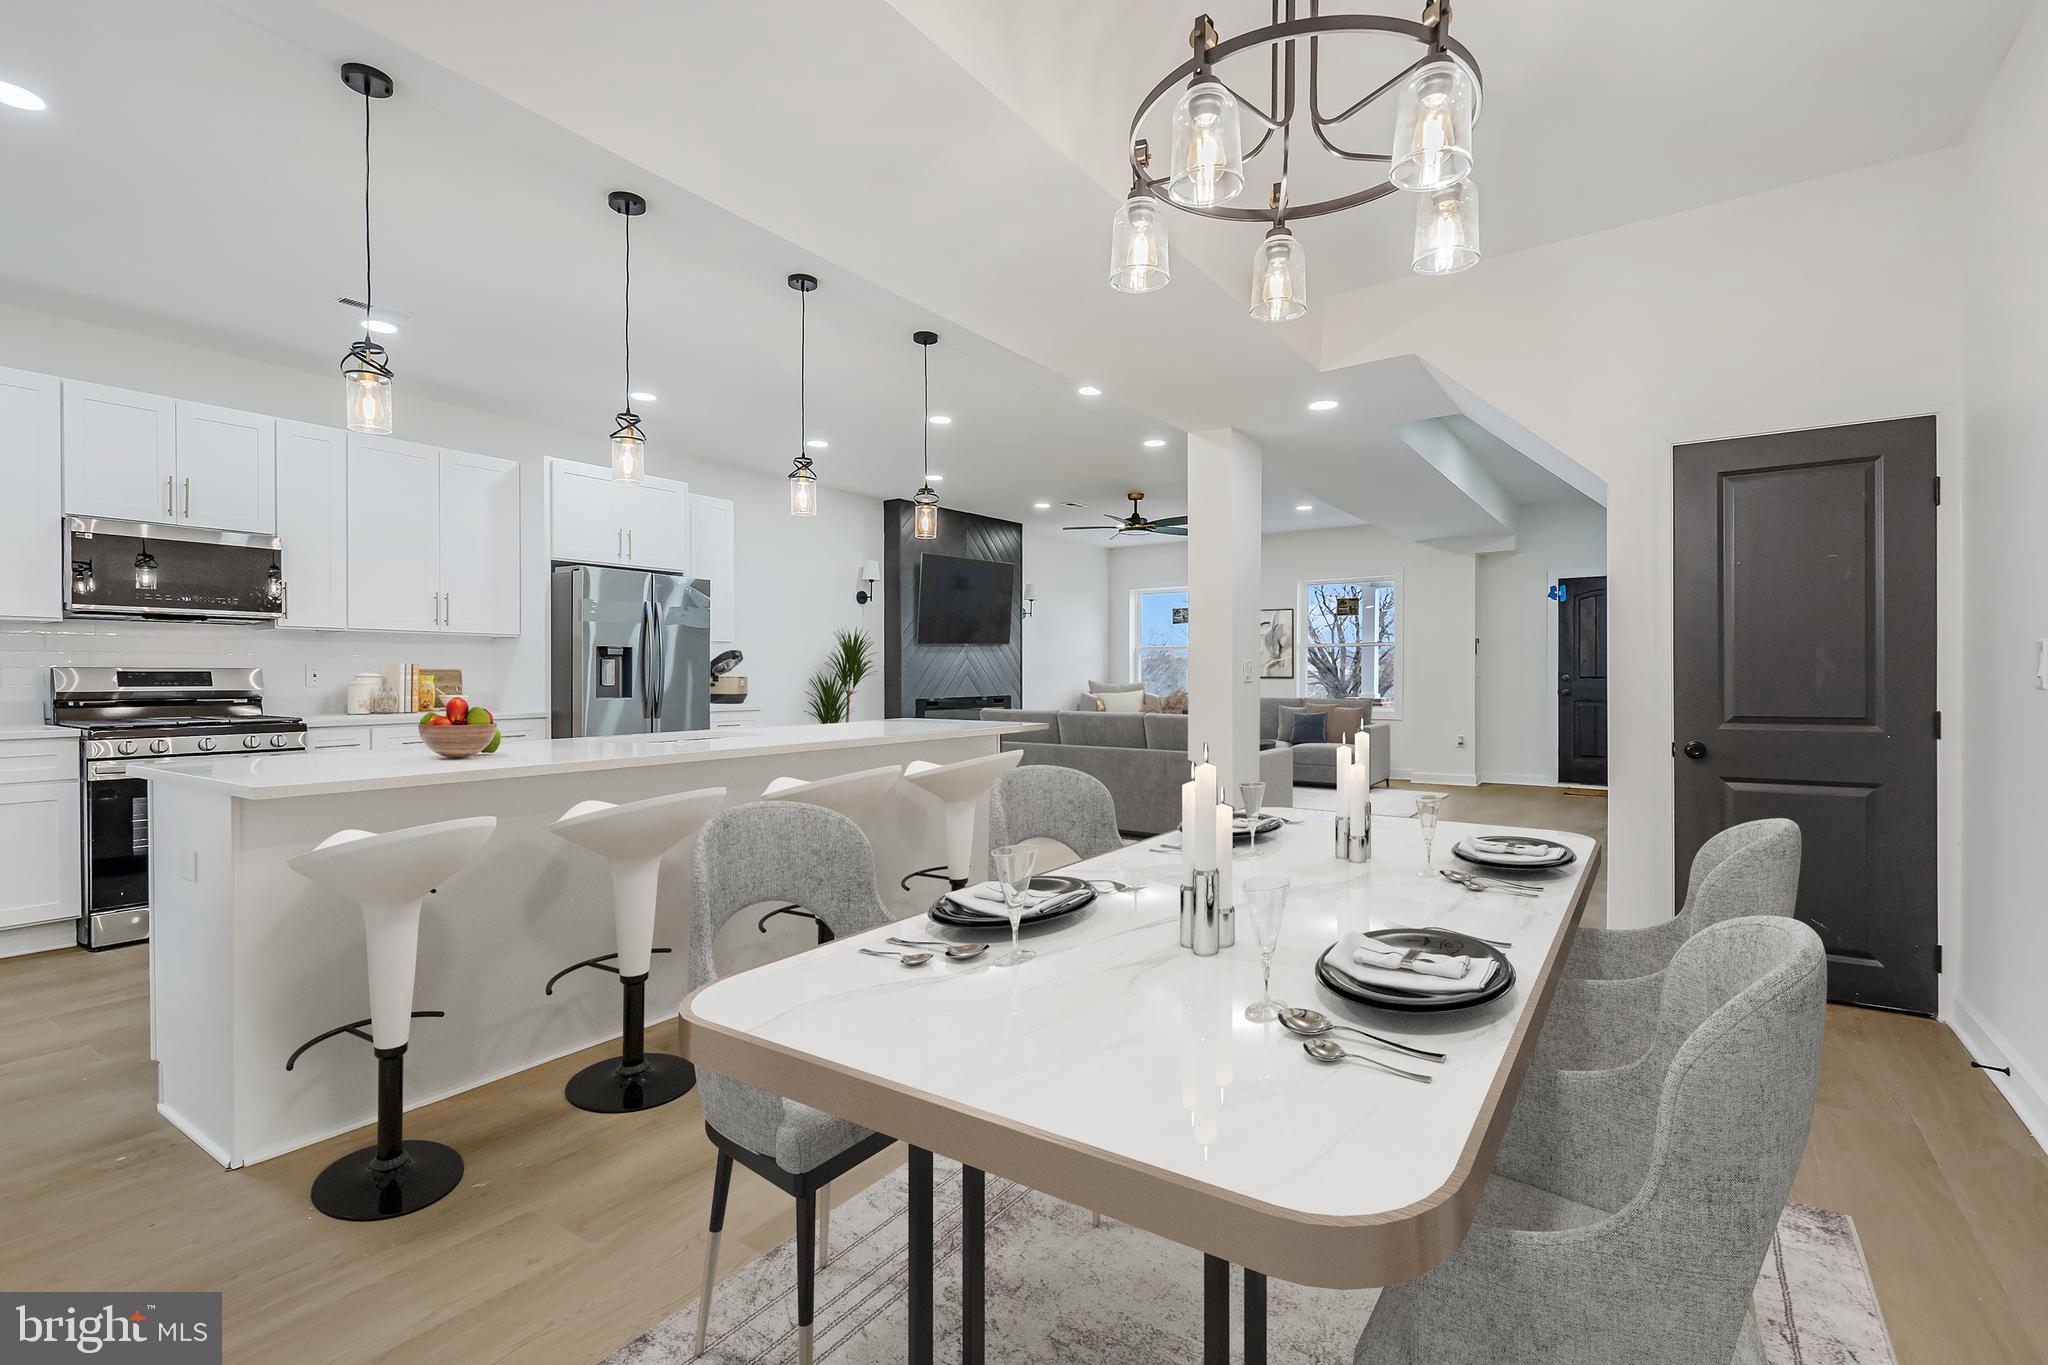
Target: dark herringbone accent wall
911, 670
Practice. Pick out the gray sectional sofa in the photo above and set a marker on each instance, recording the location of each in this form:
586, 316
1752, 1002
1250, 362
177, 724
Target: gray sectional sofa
1315, 765
1141, 758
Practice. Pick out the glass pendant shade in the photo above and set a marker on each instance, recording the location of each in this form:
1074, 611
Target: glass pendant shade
924, 521
1279, 278
145, 571
1208, 147
1433, 131
1447, 230
366, 389
803, 489
629, 456
1138, 261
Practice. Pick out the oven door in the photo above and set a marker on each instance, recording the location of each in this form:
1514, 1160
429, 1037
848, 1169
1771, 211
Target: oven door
116, 858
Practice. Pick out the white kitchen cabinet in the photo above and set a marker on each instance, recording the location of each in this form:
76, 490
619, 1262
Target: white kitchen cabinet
32, 497
338, 737
711, 557
386, 737
227, 469
120, 454
312, 525
479, 544
394, 535
658, 536
593, 520
39, 831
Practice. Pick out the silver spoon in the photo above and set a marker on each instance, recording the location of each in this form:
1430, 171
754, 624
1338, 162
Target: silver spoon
957, 952
907, 959
1114, 885
1314, 1024
1471, 883
1330, 1054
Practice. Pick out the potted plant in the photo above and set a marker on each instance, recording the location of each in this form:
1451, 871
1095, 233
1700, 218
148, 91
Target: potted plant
829, 694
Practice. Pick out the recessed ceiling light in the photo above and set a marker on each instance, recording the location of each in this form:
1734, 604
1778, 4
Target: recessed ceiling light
935, 478
1089, 391
1322, 405
1155, 443
14, 97
380, 326
1041, 506
1304, 507
640, 396
939, 419
815, 444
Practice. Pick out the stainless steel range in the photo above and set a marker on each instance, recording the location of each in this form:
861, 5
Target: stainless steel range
130, 718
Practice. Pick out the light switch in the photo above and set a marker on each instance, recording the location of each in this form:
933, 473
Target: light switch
188, 864
2041, 665
312, 675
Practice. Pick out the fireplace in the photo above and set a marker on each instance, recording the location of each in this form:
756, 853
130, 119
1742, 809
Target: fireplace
958, 708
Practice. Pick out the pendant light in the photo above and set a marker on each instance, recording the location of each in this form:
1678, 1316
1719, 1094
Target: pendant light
1433, 130
1138, 260
803, 481
1279, 269
629, 446
1447, 230
924, 520
1208, 140
365, 374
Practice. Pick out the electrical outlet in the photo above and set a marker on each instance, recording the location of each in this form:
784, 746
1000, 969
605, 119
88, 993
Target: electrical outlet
312, 675
188, 864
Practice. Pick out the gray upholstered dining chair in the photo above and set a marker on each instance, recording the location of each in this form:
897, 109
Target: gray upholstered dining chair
1629, 1210
1748, 869
818, 859
1064, 805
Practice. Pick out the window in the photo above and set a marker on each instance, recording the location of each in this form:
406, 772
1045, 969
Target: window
1160, 649
1350, 639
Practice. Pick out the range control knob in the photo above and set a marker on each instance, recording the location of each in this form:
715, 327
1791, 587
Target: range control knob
126, 746
206, 743
159, 746
252, 741
277, 741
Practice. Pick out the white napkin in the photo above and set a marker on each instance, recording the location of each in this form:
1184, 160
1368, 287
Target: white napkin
1511, 851
986, 898
1417, 983
1396, 960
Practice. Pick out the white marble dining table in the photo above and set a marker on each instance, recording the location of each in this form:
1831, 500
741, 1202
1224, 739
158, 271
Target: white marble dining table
1117, 1070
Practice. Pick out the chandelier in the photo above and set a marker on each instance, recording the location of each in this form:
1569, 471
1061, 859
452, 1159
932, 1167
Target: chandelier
1431, 156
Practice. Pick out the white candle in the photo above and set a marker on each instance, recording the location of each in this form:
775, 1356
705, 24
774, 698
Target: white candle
1361, 744
1188, 810
1223, 867
1201, 831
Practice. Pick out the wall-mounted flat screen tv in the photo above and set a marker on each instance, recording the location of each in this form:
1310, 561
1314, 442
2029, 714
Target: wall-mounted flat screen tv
964, 601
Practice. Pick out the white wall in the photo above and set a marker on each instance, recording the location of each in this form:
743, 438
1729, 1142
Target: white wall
1827, 302
1518, 636
1999, 1007
1436, 630
1066, 639
795, 578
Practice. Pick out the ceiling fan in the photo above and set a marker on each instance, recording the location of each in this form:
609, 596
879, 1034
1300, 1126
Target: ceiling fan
1137, 522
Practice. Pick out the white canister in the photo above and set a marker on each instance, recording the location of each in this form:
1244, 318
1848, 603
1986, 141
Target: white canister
362, 691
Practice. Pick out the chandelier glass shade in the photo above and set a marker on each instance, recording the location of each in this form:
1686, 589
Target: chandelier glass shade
1437, 97
803, 488
924, 520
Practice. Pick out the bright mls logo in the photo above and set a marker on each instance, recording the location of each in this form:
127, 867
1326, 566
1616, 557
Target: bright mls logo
168, 1328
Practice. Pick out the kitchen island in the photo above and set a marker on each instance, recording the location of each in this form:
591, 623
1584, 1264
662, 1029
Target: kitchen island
248, 959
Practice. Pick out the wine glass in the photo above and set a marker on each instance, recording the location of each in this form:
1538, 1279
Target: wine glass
1012, 865
1427, 807
1266, 897
1253, 795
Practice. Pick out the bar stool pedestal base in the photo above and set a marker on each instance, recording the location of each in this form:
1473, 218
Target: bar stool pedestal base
356, 1190
605, 1088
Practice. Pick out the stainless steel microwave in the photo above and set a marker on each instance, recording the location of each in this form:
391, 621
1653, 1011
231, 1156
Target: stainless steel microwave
149, 569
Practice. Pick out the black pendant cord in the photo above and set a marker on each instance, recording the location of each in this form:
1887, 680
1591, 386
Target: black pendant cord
803, 370
369, 289
927, 481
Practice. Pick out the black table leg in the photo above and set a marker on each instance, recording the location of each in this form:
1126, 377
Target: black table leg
1254, 1318
1215, 1311
973, 1266
920, 1352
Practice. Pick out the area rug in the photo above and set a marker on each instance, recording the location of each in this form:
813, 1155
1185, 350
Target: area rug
1061, 1290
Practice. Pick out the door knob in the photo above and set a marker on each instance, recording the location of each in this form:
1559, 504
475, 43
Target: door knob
1695, 750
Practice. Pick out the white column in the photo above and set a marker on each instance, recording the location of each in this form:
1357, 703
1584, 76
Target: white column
1225, 473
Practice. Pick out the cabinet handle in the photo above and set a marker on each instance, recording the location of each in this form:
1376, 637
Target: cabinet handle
287, 604
188, 497
448, 608
629, 542
437, 609
619, 549
168, 494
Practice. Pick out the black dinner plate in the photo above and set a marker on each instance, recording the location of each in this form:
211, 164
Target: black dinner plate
1242, 834
1072, 893
1565, 856
1430, 941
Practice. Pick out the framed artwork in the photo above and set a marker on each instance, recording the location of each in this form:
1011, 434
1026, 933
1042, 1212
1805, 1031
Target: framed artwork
1276, 642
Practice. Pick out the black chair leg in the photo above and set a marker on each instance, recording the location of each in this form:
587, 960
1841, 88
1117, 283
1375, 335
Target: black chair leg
1215, 1311
806, 1270
721, 1186
1254, 1318
920, 1346
973, 1267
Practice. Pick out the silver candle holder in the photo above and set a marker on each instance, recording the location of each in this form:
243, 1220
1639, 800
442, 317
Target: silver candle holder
1355, 845
1201, 915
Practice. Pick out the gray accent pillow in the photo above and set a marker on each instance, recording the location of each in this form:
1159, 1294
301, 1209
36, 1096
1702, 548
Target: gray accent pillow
1301, 726
1098, 688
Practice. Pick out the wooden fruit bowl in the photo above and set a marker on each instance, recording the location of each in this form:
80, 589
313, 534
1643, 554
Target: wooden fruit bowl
457, 741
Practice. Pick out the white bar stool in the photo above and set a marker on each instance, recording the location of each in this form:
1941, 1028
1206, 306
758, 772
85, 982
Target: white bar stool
959, 788
389, 876
853, 795
633, 838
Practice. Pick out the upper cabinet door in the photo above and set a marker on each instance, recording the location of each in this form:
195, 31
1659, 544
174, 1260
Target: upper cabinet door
227, 469
711, 557
32, 510
479, 544
658, 535
312, 525
394, 535
120, 454
587, 514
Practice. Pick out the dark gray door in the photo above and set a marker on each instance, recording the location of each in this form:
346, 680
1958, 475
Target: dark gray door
1804, 648
1582, 681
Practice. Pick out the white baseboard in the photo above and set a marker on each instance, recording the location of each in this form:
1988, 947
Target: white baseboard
2023, 1090
39, 938
1436, 779
1519, 779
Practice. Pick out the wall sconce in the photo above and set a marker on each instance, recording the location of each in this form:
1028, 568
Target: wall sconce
1030, 600
869, 575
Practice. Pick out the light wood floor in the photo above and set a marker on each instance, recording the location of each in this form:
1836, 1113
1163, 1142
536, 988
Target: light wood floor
576, 1232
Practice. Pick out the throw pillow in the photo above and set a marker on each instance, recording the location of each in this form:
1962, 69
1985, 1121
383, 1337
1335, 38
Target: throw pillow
1103, 688
1175, 703
1130, 702
1307, 727
1344, 719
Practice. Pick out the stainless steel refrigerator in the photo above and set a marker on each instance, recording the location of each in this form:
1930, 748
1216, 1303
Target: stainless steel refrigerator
629, 652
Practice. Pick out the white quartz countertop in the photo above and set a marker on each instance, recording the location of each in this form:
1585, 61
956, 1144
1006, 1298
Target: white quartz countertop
269, 776
8, 732
336, 719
